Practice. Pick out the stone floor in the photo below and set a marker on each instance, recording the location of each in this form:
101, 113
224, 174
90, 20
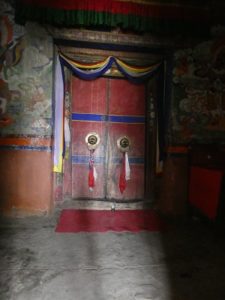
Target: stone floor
185, 263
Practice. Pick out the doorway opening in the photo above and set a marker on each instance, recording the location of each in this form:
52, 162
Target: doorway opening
111, 107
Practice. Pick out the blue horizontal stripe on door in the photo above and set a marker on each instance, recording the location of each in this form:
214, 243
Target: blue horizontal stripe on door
89, 117
127, 119
132, 160
110, 118
84, 159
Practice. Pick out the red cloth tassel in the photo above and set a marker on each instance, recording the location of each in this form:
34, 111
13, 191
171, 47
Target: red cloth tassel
122, 183
92, 173
91, 179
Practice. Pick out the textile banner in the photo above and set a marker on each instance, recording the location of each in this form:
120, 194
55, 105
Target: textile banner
59, 117
92, 71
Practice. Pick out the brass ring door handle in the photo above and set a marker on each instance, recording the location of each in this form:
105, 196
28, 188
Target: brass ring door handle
123, 143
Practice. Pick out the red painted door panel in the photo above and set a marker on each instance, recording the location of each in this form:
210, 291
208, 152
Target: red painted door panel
112, 108
89, 99
127, 109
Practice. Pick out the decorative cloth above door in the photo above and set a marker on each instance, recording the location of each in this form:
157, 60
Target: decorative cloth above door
154, 16
92, 71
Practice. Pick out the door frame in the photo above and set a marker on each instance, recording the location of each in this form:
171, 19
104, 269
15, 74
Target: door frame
151, 136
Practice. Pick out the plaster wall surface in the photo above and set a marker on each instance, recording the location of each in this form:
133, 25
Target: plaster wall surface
25, 181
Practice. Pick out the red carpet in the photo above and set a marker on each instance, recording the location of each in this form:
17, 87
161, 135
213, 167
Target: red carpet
72, 220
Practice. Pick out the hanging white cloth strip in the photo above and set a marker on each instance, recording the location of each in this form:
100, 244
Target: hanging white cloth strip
127, 167
67, 132
58, 126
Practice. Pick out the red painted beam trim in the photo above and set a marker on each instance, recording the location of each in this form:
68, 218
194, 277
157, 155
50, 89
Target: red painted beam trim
25, 141
125, 8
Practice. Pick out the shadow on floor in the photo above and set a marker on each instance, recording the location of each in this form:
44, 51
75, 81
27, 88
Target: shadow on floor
194, 258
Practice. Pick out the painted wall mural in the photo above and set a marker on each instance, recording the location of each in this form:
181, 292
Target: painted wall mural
26, 56
198, 108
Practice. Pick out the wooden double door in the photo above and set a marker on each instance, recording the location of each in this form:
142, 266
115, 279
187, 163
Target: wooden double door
112, 108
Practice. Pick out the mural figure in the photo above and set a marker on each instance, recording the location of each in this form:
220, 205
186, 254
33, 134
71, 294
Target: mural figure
199, 93
25, 77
